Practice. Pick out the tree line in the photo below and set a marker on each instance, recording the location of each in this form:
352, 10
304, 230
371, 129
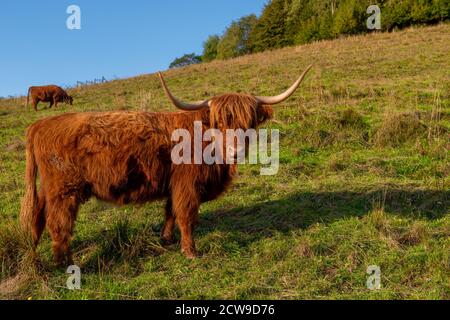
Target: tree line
293, 22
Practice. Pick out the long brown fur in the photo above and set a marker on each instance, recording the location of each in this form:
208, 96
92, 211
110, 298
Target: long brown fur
125, 157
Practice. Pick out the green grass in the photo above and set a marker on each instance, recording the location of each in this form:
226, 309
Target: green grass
363, 180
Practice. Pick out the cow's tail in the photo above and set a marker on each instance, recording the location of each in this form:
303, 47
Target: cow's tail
28, 97
29, 210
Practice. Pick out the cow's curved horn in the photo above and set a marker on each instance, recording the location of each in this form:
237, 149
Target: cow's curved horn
179, 104
286, 94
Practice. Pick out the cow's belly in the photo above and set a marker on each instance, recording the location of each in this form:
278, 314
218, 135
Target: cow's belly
139, 196
126, 183
217, 183
44, 98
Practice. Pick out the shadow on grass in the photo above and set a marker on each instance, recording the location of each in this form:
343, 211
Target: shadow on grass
121, 242
128, 243
300, 210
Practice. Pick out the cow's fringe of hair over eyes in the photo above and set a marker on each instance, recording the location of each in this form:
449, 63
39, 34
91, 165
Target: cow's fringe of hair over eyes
233, 111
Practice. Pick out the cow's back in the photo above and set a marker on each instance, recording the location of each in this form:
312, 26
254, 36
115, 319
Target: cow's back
54, 134
45, 92
104, 150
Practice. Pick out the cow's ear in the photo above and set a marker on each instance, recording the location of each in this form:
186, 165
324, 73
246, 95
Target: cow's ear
264, 113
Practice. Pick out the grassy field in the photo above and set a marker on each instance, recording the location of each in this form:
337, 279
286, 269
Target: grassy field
363, 180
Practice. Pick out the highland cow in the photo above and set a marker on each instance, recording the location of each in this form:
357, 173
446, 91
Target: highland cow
51, 93
125, 157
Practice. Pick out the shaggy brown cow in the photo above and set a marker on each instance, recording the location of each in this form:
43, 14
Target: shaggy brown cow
52, 94
125, 157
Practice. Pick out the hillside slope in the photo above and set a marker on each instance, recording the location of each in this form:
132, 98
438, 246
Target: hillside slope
363, 180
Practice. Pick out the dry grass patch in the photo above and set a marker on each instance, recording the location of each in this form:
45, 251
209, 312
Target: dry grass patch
416, 234
398, 128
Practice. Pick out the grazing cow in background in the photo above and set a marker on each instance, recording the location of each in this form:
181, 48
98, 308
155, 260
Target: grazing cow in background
125, 157
52, 94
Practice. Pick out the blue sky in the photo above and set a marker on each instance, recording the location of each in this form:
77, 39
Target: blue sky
117, 38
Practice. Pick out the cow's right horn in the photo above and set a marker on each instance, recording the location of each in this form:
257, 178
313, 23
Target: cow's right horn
286, 94
179, 104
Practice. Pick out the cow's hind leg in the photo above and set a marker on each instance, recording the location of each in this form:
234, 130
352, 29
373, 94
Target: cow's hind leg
185, 204
167, 230
61, 215
35, 104
39, 219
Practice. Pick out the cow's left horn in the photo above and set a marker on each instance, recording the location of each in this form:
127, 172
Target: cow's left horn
179, 104
286, 94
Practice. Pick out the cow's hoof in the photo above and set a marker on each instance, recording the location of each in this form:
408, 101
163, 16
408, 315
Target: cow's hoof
190, 254
64, 262
167, 241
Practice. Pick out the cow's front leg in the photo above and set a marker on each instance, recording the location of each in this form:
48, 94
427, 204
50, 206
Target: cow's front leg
169, 225
185, 204
186, 223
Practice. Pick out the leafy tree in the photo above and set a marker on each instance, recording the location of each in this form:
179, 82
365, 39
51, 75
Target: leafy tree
271, 29
400, 14
350, 17
210, 48
185, 60
235, 41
